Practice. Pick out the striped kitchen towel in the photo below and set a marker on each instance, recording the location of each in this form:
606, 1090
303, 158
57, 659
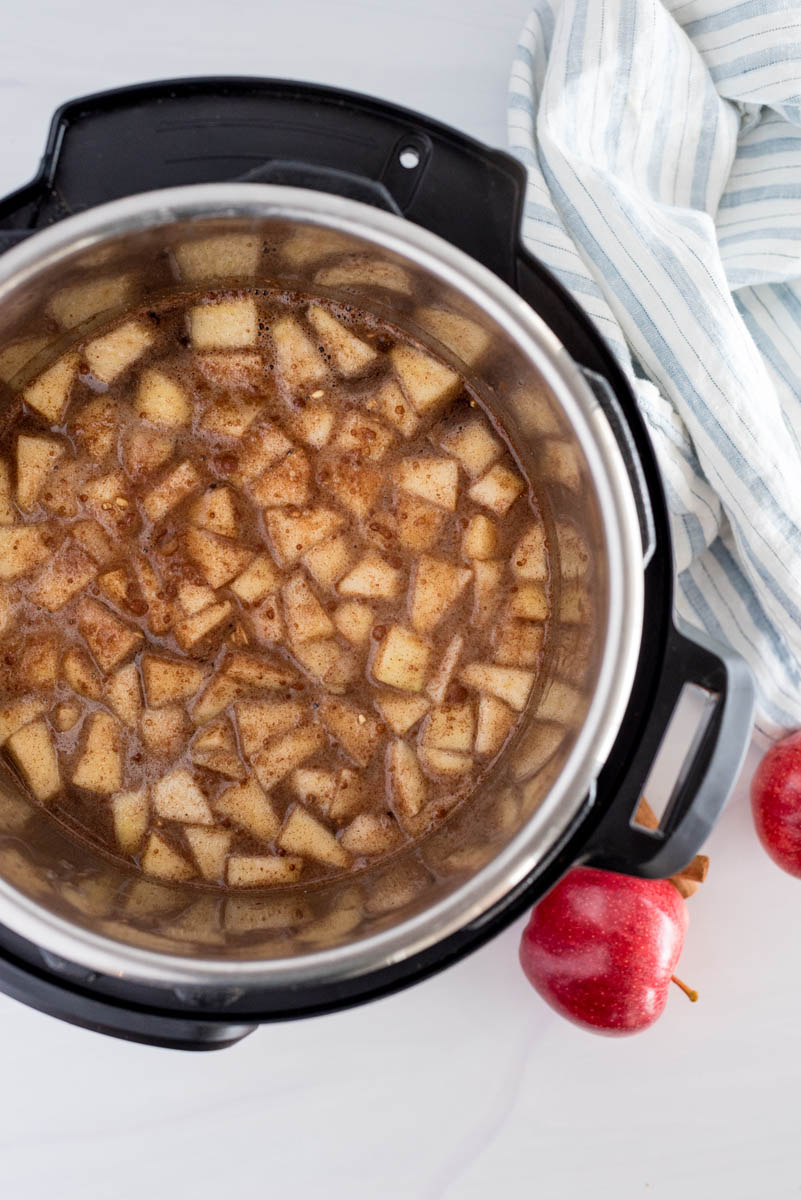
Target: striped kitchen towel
663, 148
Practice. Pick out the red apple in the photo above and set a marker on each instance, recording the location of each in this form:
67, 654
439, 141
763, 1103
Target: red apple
601, 948
776, 803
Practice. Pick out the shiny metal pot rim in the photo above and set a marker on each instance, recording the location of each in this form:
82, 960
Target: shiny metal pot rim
479, 894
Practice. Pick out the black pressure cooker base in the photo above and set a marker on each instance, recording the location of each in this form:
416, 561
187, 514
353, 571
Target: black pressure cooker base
118, 143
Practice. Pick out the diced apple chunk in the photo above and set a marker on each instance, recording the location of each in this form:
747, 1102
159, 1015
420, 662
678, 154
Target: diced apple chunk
445, 762
369, 834
159, 610
296, 357
216, 511
401, 713
263, 870
162, 861
22, 550
287, 752
510, 684
225, 255
36, 457
407, 783
108, 356
314, 786
124, 695
164, 731
16, 713
221, 691
175, 487
287, 483
258, 672
529, 602
361, 270
224, 323
439, 682
219, 559
350, 354
463, 337
353, 621
267, 623
486, 589
310, 243
432, 479
31, 748
97, 427
261, 448
81, 674
518, 643
258, 580
178, 797
480, 539
498, 489
356, 731
214, 748
260, 720
328, 561
169, 680
306, 619
401, 660
426, 382
356, 486
144, 450
210, 850
161, 400
303, 834
99, 769
450, 727
73, 305
418, 523
436, 587
93, 539
68, 573
246, 806
109, 639
230, 416
328, 662
529, 558
194, 628
129, 812
38, 666
66, 716
372, 577
495, 723
292, 534
360, 435
559, 463
116, 586
49, 394
395, 408
313, 424
473, 444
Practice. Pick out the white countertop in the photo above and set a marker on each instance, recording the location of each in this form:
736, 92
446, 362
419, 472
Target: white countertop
467, 1086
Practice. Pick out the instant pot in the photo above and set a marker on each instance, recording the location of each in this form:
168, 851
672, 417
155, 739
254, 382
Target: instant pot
254, 183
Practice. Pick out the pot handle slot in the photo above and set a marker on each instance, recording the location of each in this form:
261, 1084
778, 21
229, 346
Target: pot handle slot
66, 1002
612, 411
705, 778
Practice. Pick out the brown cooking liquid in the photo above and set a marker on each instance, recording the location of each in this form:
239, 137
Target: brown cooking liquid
275, 590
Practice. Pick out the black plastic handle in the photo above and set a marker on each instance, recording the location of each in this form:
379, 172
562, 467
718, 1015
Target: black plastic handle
704, 780
77, 1006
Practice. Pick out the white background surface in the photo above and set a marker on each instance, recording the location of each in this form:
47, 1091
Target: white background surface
468, 1086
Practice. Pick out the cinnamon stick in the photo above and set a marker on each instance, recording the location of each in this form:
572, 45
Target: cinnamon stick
688, 881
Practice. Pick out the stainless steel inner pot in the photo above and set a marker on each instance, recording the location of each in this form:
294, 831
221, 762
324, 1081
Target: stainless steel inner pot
80, 273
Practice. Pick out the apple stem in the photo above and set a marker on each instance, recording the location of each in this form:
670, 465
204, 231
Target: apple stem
688, 991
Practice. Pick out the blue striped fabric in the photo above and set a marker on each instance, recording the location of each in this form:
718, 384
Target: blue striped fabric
662, 142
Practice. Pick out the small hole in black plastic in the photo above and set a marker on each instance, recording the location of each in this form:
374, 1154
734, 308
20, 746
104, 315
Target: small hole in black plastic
409, 158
